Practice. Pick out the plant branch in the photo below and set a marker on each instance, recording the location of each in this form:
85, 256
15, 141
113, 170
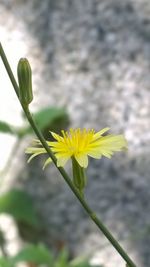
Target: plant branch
91, 214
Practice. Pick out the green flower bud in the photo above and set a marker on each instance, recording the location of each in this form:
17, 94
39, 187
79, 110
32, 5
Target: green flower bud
79, 177
25, 81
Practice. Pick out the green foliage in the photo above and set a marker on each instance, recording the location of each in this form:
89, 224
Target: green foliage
18, 204
46, 119
62, 260
80, 263
49, 118
39, 255
5, 262
6, 128
2, 239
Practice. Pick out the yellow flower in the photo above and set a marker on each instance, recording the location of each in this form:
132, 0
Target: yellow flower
79, 144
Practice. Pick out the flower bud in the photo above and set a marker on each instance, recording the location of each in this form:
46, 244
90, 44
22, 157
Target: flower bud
25, 81
79, 177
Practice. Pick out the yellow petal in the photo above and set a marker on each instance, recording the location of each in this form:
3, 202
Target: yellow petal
54, 144
48, 161
106, 153
32, 150
82, 160
62, 160
34, 155
113, 142
95, 154
36, 141
109, 144
99, 134
56, 136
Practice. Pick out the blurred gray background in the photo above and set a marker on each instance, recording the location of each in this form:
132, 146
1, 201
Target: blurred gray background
93, 57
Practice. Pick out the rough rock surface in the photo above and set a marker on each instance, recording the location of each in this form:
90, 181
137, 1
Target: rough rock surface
94, 58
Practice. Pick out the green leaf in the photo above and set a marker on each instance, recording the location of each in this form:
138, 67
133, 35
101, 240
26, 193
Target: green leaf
81, 261
46, 118
6, 128
62, 259
5, 262
81, 264
18, 204
36, 254
85, 264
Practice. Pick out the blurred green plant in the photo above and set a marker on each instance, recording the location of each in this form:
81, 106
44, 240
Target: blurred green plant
18, 204
46, 118
39, 255
6, 128
49, 118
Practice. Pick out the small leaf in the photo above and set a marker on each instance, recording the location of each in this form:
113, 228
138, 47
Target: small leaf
18, 204
2, 239
62, 259
36, 254
6, 128
46, 118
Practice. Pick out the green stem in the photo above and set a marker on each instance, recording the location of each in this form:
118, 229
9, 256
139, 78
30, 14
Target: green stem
92, 215
2, 244
7, 166
8, 69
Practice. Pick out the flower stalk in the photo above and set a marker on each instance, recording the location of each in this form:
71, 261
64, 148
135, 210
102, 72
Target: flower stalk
91, 214
79, 176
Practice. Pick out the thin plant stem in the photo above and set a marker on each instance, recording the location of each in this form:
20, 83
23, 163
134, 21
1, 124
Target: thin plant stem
91, 214
8, 69
8, 164
2, 245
